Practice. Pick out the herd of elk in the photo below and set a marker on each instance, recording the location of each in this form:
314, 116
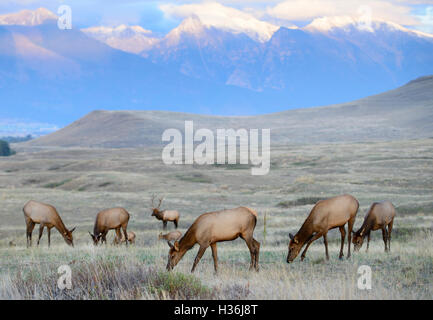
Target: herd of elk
212, 227
379, 216
164, 215
227, 225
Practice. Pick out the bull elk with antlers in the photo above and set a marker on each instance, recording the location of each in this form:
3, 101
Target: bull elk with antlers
114, 218
164, 215
212, 227
46, 216
326, 215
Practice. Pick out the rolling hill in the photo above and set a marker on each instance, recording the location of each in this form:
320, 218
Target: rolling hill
403, 113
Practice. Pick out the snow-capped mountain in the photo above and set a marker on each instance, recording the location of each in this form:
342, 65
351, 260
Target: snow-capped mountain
28, 17
132, 39
203, 66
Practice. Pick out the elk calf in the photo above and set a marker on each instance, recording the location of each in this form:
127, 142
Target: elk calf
212, 227
165, 215
131, 238
379, 216
114, 218
325, 215
46, 216
171, 236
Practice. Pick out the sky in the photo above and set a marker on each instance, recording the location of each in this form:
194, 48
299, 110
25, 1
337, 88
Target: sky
162, 16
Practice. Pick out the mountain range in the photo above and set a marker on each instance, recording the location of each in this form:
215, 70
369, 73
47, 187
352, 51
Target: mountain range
54, 76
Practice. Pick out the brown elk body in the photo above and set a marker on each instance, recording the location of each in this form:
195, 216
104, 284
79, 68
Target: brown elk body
212, 227
114, 218
131, 238
326, 215
165, 215
379, 216
46, 216
171, 236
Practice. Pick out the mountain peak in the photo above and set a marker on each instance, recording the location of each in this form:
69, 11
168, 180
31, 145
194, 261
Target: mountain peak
348, 23
28, 17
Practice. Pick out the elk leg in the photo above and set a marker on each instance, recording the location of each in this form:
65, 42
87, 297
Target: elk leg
368, 240
257, 249
30, 227
41, 230
164, 225
103, 237
118, 236
175, 223
384, 236
389, 234
325, 241
198, 257
343, 236
313, 238
214, 256
125, 233
49, 236
350, 224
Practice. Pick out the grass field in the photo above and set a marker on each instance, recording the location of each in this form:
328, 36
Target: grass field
81, 182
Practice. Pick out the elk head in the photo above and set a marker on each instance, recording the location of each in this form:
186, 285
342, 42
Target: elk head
67, 235
95, 238
358, 239
174, 255
294, 247
155, 209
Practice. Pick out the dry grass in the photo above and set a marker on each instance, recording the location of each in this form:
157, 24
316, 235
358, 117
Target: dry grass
94, 180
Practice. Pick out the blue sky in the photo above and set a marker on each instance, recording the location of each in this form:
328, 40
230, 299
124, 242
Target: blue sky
162, 16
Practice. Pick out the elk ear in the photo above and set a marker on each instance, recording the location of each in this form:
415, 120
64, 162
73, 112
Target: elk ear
291, 236
169, 244
72, 230
176, 245
93, 237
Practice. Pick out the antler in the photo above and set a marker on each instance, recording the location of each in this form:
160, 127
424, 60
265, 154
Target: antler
153, 198
160, 201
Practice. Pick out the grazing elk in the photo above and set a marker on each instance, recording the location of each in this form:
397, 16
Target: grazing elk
174, 235
326, 215
379, 216
164, 215
114, 218
212, 227
131, 238
46, 216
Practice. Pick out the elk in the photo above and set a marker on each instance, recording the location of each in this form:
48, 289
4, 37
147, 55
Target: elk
46, 216
164, 215
212, 227
379, 216
174, 235
114, 218
131, 238
326, 215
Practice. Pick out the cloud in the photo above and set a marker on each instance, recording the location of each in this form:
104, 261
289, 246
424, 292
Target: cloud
216, 15
395, 11
426, 20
